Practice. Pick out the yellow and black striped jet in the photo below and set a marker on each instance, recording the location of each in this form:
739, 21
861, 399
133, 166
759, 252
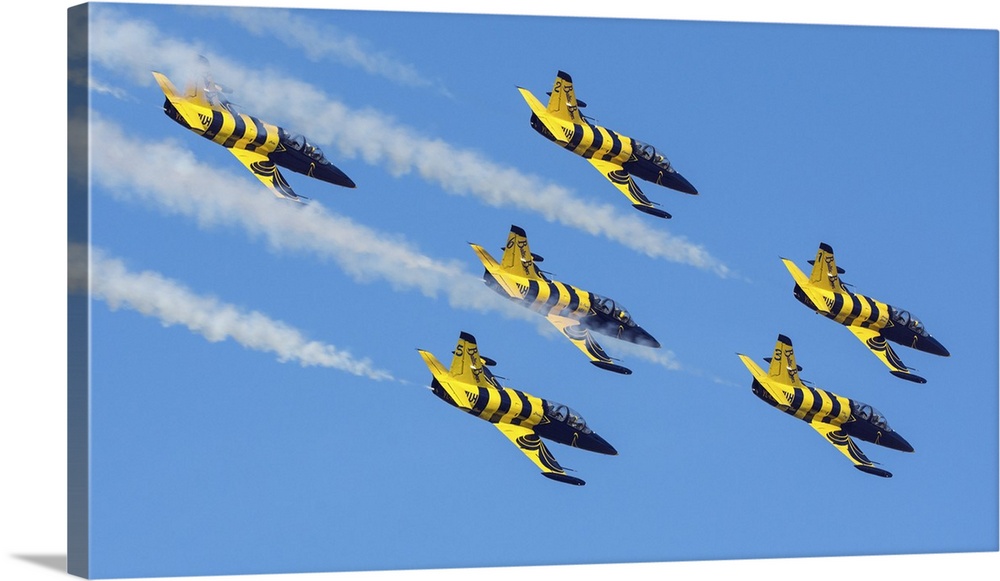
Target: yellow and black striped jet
836, 418
574, 311
871, 321
525, 419
260, 146
616, 156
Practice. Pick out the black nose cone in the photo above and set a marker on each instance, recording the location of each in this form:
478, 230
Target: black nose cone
645, 339
931, 345
594, 443
334, 175
676, 181
895, 441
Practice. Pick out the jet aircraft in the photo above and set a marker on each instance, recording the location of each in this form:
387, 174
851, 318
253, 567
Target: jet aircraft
260, 146
871, 321
575, 312
525, 419
836, 418
616, 156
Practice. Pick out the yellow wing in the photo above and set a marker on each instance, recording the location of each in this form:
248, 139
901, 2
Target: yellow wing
534, 448
847, 447
877, 344
623, 180
267, 172
584, 341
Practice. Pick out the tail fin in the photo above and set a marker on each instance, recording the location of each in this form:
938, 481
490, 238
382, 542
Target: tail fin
562, 102
193, 93
820, 298
462, 381
782, 376
825, 273
517, 257
783, 367
466, 365
185, 105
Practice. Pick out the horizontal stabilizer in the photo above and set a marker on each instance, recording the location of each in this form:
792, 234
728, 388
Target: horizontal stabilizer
797, 366
579, 103
839, 270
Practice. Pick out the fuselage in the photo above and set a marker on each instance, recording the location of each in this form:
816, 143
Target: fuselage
855, 418
852, 309
549, 420
638, 159
236, 130
593, 312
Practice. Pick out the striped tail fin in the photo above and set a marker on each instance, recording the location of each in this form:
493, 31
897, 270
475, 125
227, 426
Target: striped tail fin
517, 257
562, 102
825, 273
783, 367
466, 364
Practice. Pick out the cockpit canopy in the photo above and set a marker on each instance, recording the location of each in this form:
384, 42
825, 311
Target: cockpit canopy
298, 143
567, 415
647, 151
901, 317
866, 412
618, 312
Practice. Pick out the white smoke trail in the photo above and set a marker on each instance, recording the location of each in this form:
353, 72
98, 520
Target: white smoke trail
154, 295
136, 47
131, 169
216, 198
662, 357
321, 42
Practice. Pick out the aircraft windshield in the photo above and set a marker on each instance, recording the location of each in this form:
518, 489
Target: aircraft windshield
298, 143
618, 312
647, 151
901, 317
567, 415
869, 414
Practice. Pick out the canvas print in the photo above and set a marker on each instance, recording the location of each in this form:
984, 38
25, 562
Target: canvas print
302, 293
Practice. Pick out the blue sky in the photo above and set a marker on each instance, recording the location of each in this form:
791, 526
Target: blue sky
258, 402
